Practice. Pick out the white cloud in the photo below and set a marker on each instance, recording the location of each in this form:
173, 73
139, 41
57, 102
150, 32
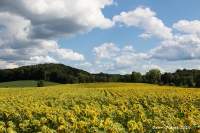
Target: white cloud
97, 62
106, 50
197, 67
115, 3
61, 18
41, 59
33, 60
110, 66
188, 26
4, 64
146, 36
120, 25
125, 61
15, 47
152, 66
92, 71
180, 47
31, 28
128, 48
14, 26
145, 18
171, 68
68, 54
123, 72
129, 60
85, 64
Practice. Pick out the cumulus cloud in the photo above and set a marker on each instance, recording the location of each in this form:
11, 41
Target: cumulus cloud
188, 26
61, 18
92, 71
197, 67
97, 62
152, 66
124, 72
42, 59
128, 48
4, 64
145, 19
14, 44
68, 54
29, 29
129, 60
106, 50
110, 66
180, 47
125, 61
172, 67
85, 64
146, 36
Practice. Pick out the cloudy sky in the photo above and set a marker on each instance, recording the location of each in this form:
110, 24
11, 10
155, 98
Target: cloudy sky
111, 36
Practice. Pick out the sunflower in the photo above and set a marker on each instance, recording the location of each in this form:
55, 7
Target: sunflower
143, 117
61, 120
11, 130
2, 129
61, 127
180, 122
132, 125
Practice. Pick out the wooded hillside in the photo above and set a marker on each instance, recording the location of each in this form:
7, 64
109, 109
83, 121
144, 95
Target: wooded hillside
65, 74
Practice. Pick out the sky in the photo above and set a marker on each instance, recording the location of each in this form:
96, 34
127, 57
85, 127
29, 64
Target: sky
110, 36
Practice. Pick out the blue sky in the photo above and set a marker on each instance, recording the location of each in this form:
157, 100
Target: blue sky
111, 36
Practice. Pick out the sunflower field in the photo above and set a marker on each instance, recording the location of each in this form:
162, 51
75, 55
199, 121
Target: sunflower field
100, 108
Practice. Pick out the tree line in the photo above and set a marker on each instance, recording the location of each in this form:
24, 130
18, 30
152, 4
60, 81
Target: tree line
68, 75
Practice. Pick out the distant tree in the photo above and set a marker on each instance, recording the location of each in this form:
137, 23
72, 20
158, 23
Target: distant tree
144, 80
153, 76
127, 78
190, 81
176, 80
92, 78
122, 78
167, 78
103, 79
87, 78
74, 80
171, 84
81, 78
40, 83
198, 81
183, 80
110, 79
136, 77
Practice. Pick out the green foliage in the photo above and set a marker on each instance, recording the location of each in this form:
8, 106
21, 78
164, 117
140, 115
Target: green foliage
81, 78
153, 76
40, 83
136, 77
172, 84
60, 73
190, 81
198, 81
161, 83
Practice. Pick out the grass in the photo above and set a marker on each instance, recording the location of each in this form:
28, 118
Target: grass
24, 83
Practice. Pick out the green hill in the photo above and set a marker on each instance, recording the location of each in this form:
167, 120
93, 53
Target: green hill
58, 73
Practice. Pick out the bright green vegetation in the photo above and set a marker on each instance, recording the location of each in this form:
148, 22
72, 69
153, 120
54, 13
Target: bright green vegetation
25, 83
